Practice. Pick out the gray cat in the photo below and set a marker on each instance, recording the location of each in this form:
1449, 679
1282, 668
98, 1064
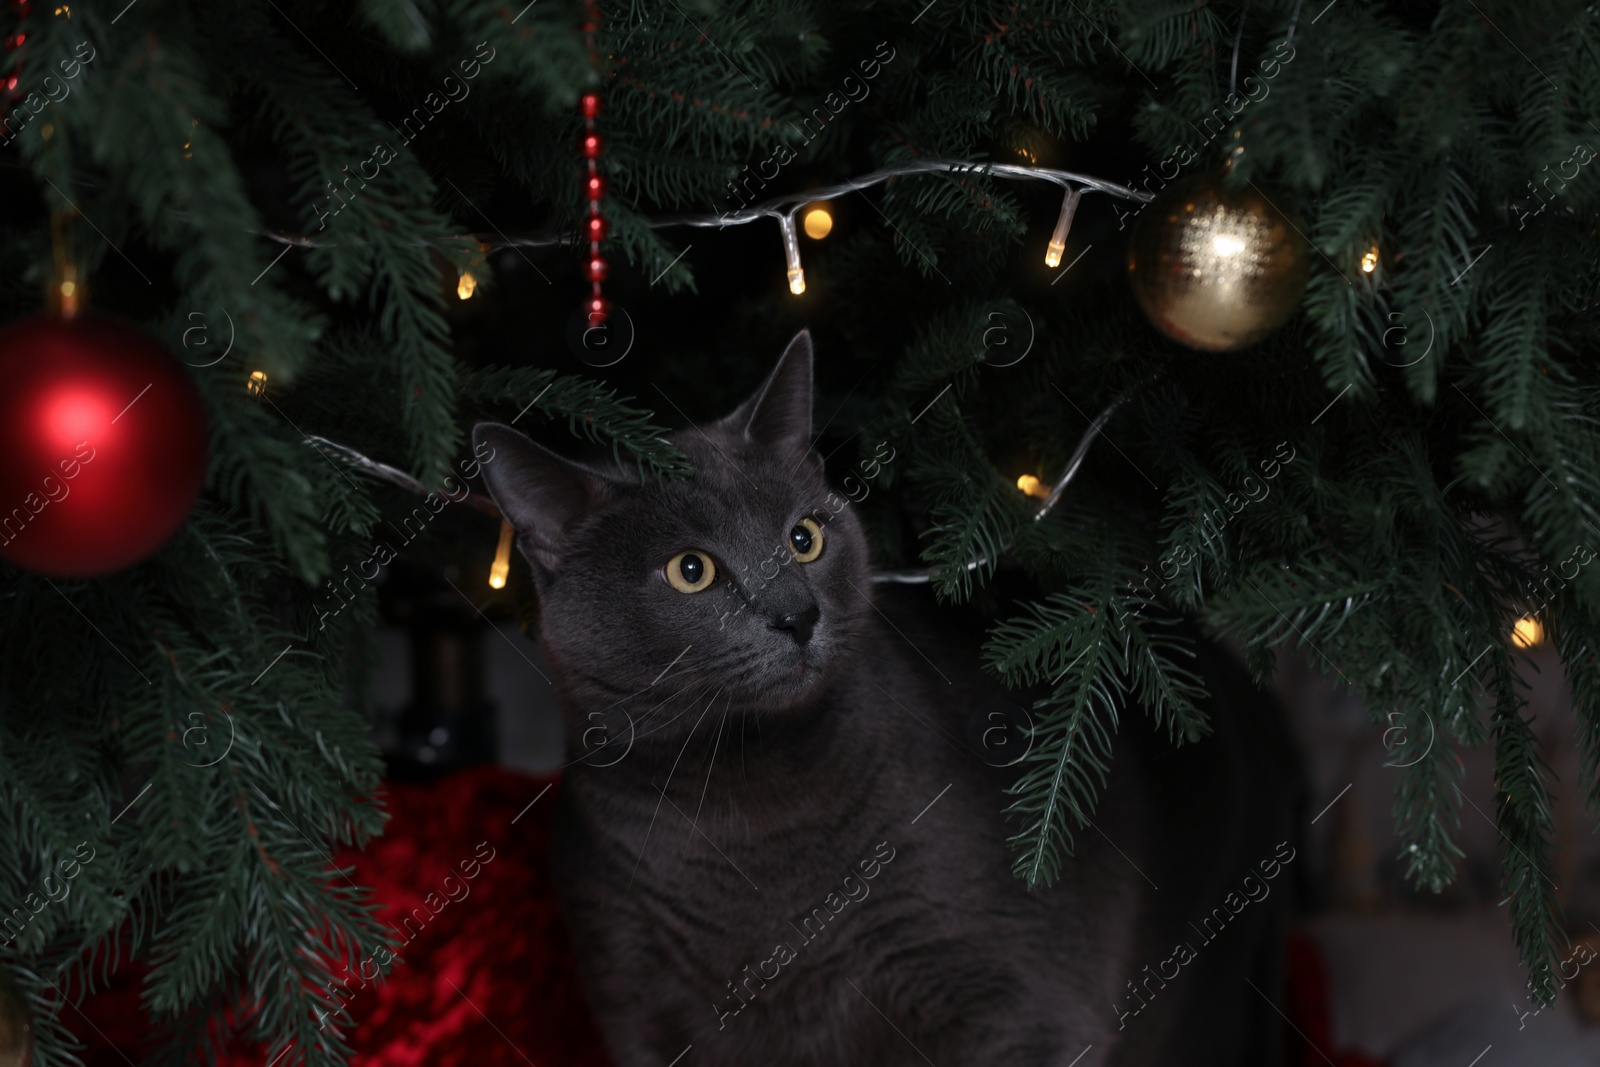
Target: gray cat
775, 846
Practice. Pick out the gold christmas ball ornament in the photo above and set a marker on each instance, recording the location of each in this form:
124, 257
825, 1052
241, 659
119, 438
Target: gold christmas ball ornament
1216, 268
16, 1029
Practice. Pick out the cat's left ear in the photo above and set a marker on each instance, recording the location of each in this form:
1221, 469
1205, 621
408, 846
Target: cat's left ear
539, 492
778, 415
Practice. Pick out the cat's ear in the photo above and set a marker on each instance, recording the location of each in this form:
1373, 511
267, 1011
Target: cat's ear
778, 415
540, 493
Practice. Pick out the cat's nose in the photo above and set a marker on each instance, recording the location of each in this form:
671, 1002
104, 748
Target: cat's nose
798, 623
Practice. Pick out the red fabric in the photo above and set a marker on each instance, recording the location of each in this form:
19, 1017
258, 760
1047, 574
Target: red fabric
1308, 1003
501, 943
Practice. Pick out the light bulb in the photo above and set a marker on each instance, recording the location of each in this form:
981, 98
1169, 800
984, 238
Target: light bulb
1527, 632
1369, 262
1033, 486
466, 286
791, 254
501, 567
258, 382
67, 291
1058, 238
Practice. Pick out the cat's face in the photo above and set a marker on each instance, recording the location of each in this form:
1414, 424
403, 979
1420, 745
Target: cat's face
740, 586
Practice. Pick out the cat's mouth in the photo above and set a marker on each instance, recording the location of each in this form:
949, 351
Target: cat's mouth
805, 674
789, 679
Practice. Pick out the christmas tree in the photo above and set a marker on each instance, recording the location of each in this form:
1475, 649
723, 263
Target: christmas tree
358, 230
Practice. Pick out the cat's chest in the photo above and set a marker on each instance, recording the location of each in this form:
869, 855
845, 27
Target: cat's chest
710, 887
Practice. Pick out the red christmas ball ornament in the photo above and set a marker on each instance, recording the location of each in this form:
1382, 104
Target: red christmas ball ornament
591, 105
104, 441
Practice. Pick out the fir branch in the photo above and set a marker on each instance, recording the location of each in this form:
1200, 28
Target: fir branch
591, 410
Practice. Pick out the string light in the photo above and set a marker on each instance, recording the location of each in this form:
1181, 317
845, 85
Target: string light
67, 291
502, 558
258, 382
1033, 486
781, 208
818, 222
791, 254
466, 286
1527, 632
1369, 262
1058, 239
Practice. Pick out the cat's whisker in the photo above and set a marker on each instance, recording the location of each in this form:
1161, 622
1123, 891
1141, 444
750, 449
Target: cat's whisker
710, 763
744, 770
681, 714
698, 693
634, 724
670, 695
602, 684
668, 785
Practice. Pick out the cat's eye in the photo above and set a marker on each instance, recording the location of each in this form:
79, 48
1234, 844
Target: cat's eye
690, 572
805, 540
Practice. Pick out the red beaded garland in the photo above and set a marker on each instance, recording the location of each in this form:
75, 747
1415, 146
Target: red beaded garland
595, 186
13, 42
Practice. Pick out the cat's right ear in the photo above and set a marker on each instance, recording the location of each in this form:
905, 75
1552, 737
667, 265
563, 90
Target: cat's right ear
540, 493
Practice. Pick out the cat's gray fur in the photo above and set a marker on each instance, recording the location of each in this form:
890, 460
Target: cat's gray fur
763, 771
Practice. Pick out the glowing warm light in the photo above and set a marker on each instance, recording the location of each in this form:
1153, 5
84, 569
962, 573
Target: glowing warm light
1369, 262
67, 294
1226, 244
502, 558
258, 382
818, 223
1527, 632
1028, 154
1033, 486
1058, 236
466, 286
791, 254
